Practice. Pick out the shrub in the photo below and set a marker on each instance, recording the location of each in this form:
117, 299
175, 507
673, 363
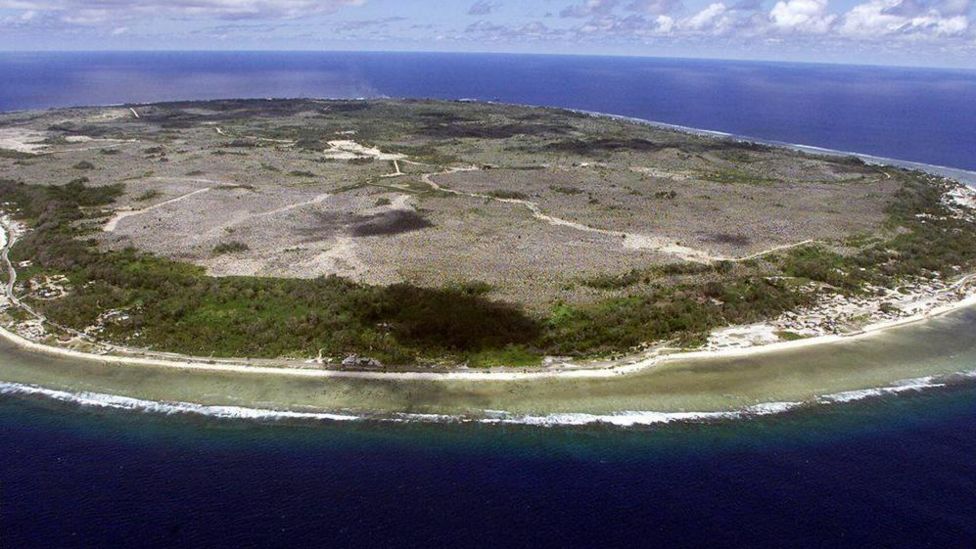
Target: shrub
148, 195
509, 195
301, 173
562, 189
230, 248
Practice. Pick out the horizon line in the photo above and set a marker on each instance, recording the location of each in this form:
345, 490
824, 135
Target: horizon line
510, 53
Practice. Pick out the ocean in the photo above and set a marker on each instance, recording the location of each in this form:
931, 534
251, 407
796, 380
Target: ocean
891, 471
921, 115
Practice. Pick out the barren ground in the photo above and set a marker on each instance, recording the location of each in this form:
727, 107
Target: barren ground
532, 201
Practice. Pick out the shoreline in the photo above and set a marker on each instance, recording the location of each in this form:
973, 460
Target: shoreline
566, 369
962, 175
622, 367
598, 368
620, 419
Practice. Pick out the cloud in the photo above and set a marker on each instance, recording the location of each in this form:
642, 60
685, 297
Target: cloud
802, 15
589, 8
873, 26
878, 18
611, 25
360, 24
90, 12
493, 32
655, 7
712, 19
22, 20
665, 24
483, 7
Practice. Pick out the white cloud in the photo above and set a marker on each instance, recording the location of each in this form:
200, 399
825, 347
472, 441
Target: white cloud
899, 17
88, 12
655, 7
589, 8
712, 19
493, 32
665, 24
802, 15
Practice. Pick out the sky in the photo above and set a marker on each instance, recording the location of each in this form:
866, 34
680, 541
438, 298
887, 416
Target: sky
938, 33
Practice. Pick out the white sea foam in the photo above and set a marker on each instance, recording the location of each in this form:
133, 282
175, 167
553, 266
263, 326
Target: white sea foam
620, 419
101, 400
632, 418
915, 384
964, 176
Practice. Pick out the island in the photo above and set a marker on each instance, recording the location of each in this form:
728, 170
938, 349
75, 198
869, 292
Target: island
397, 237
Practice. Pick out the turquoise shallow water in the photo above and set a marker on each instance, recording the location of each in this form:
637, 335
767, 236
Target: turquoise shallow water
922, 354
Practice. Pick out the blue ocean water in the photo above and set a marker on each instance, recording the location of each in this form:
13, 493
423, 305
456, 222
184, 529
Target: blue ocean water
922, 115
897, 471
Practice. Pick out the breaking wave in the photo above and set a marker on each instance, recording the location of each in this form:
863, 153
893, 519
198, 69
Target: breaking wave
102, 400
915, 384
618, 419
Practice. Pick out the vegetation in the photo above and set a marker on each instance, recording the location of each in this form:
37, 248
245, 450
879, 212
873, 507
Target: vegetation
230, 248
148, 195
510, 195
177, 307
15, 155
565, 189
920, 246
686, 312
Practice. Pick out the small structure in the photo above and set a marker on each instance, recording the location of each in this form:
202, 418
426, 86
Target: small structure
356, 361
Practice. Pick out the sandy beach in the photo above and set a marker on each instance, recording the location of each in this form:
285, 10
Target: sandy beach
114, 354
620, 367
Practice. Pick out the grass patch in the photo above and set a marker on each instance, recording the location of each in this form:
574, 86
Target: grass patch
15, 155
509, 195
148, 195
565, 189
511, 355
737, 177
230, 248
786, 335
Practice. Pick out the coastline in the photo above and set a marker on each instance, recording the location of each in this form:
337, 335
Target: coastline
617, 368
553, 368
